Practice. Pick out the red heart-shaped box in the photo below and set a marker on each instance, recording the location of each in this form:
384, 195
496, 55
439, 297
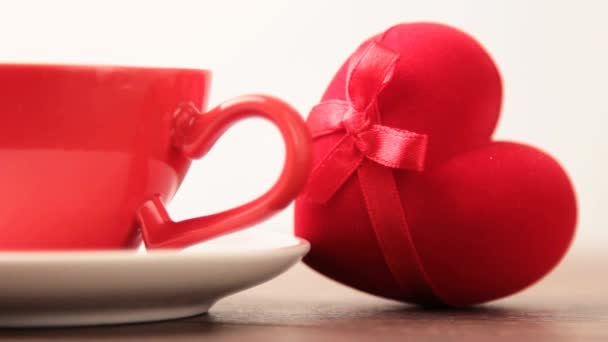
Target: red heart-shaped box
485, 219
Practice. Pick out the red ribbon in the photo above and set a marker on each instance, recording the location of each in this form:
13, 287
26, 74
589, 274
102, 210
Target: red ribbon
370, 71
372, 151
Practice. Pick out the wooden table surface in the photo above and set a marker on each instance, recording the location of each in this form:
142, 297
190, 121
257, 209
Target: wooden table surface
571, 304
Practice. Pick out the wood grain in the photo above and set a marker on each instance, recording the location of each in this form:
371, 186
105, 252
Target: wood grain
569, 305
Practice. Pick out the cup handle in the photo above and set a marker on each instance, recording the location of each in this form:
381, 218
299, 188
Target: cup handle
195, 134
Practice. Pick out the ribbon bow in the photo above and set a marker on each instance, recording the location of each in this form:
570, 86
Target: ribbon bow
365, 138
372, 151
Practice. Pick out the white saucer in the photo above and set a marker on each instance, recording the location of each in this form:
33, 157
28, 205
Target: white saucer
84, 288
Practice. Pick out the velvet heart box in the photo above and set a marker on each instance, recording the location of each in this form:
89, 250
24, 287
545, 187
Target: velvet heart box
410, 198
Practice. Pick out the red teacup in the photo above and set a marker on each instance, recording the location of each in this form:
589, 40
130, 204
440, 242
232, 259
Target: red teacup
88, 154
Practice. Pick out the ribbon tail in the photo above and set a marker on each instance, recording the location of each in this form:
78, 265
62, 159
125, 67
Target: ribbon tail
392, 230
333, 171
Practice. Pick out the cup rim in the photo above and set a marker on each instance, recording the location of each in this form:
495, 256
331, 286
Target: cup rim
96, 66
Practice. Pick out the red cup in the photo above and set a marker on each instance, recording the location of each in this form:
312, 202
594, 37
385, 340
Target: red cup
89, 154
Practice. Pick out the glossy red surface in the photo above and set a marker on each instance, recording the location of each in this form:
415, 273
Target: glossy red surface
83, 147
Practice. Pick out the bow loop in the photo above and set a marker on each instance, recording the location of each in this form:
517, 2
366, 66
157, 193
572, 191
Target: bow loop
326, 117
371, 71
394, 148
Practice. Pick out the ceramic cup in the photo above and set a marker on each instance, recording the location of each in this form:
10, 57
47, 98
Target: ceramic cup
89, 154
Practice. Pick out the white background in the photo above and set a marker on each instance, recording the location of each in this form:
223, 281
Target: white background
552, 55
